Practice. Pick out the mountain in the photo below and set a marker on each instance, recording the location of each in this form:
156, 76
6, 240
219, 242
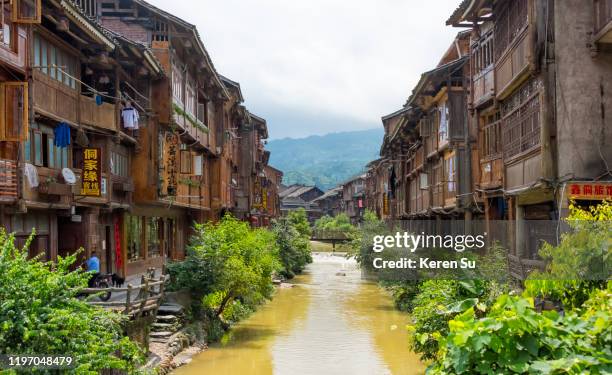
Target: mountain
325, 160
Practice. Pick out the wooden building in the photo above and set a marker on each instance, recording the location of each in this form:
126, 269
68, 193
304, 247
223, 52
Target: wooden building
330, 203
117, 133
300, 196
354, 198
427, 149
540, 73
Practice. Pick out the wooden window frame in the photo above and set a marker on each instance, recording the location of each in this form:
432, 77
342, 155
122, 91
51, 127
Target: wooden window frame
15, 13
4, 133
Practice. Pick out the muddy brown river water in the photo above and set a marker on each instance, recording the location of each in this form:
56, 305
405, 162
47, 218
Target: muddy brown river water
330, 322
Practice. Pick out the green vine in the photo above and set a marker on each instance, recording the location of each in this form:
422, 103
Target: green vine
193, 121
189, 182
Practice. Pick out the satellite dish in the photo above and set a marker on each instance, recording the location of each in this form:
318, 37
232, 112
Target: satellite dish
69, 176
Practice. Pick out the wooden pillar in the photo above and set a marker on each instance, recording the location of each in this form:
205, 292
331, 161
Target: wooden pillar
520, 231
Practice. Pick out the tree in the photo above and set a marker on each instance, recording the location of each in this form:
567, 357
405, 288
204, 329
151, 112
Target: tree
299, 220
294, 248
228, 267
40, 314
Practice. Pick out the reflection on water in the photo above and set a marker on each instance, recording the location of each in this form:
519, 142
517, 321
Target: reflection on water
330, 322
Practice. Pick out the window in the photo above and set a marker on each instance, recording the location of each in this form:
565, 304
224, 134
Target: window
482, 54
27, 11
54, 62
6, 26
177, 84
423, 185
154, 235
510, 20
443, 128
119, 164
450, 172
41, 150
520, 121
186, 161
491, 136
134, 237
190, 98
197, 165
13, 111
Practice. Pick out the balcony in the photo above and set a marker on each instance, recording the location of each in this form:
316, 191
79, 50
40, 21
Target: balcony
54, 99
603, 21
484, 86
101, 116
8, 180
513, 63
194, 127
491, 173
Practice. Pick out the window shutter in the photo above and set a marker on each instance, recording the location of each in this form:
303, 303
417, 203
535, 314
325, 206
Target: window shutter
13, 111
26, 11
457, 112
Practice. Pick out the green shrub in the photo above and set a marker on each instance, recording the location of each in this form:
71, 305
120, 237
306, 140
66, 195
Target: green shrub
294, 248
580, 263
299, 220
40, 314
514, 338
227, 263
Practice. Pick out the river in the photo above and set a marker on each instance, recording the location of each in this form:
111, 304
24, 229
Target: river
330, 322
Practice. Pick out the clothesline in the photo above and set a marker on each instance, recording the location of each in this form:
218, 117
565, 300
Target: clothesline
97, 92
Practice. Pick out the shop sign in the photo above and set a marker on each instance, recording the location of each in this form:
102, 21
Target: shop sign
590, 190
91, 173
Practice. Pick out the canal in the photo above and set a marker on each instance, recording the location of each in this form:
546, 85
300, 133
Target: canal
330, 322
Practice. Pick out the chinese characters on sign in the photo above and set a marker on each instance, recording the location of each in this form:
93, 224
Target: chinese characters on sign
172, 141
590, 190
257, 194
91, 172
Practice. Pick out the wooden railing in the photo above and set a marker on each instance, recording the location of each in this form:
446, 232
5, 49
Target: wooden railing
419, 157
491, 172
484, 85
8, 180
603, 20
55, 98
102, 116
512, 63
139, 299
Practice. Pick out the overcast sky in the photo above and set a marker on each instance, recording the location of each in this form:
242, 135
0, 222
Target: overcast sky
321, 66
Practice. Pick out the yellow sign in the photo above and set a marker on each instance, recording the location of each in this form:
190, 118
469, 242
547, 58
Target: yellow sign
91, 172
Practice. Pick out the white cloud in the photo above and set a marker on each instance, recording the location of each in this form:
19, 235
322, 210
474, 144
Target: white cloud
350, 59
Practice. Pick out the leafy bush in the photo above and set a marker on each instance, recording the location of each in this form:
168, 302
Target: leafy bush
340, 223
294, 248
363, 241
228, 267
299, 220
40, 314
581, 262
439, 301
514, 338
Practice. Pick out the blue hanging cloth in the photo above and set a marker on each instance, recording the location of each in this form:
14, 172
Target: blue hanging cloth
98, 99
62, 135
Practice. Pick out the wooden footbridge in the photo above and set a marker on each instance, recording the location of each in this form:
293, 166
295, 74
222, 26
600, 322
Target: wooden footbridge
330, 236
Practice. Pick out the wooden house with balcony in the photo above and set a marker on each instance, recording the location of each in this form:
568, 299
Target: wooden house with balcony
540, 70
181, 174
16, 18
76, 155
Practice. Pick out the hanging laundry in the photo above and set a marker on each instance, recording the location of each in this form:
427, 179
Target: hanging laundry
98, 99
130, 117
31, 174
62, 135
